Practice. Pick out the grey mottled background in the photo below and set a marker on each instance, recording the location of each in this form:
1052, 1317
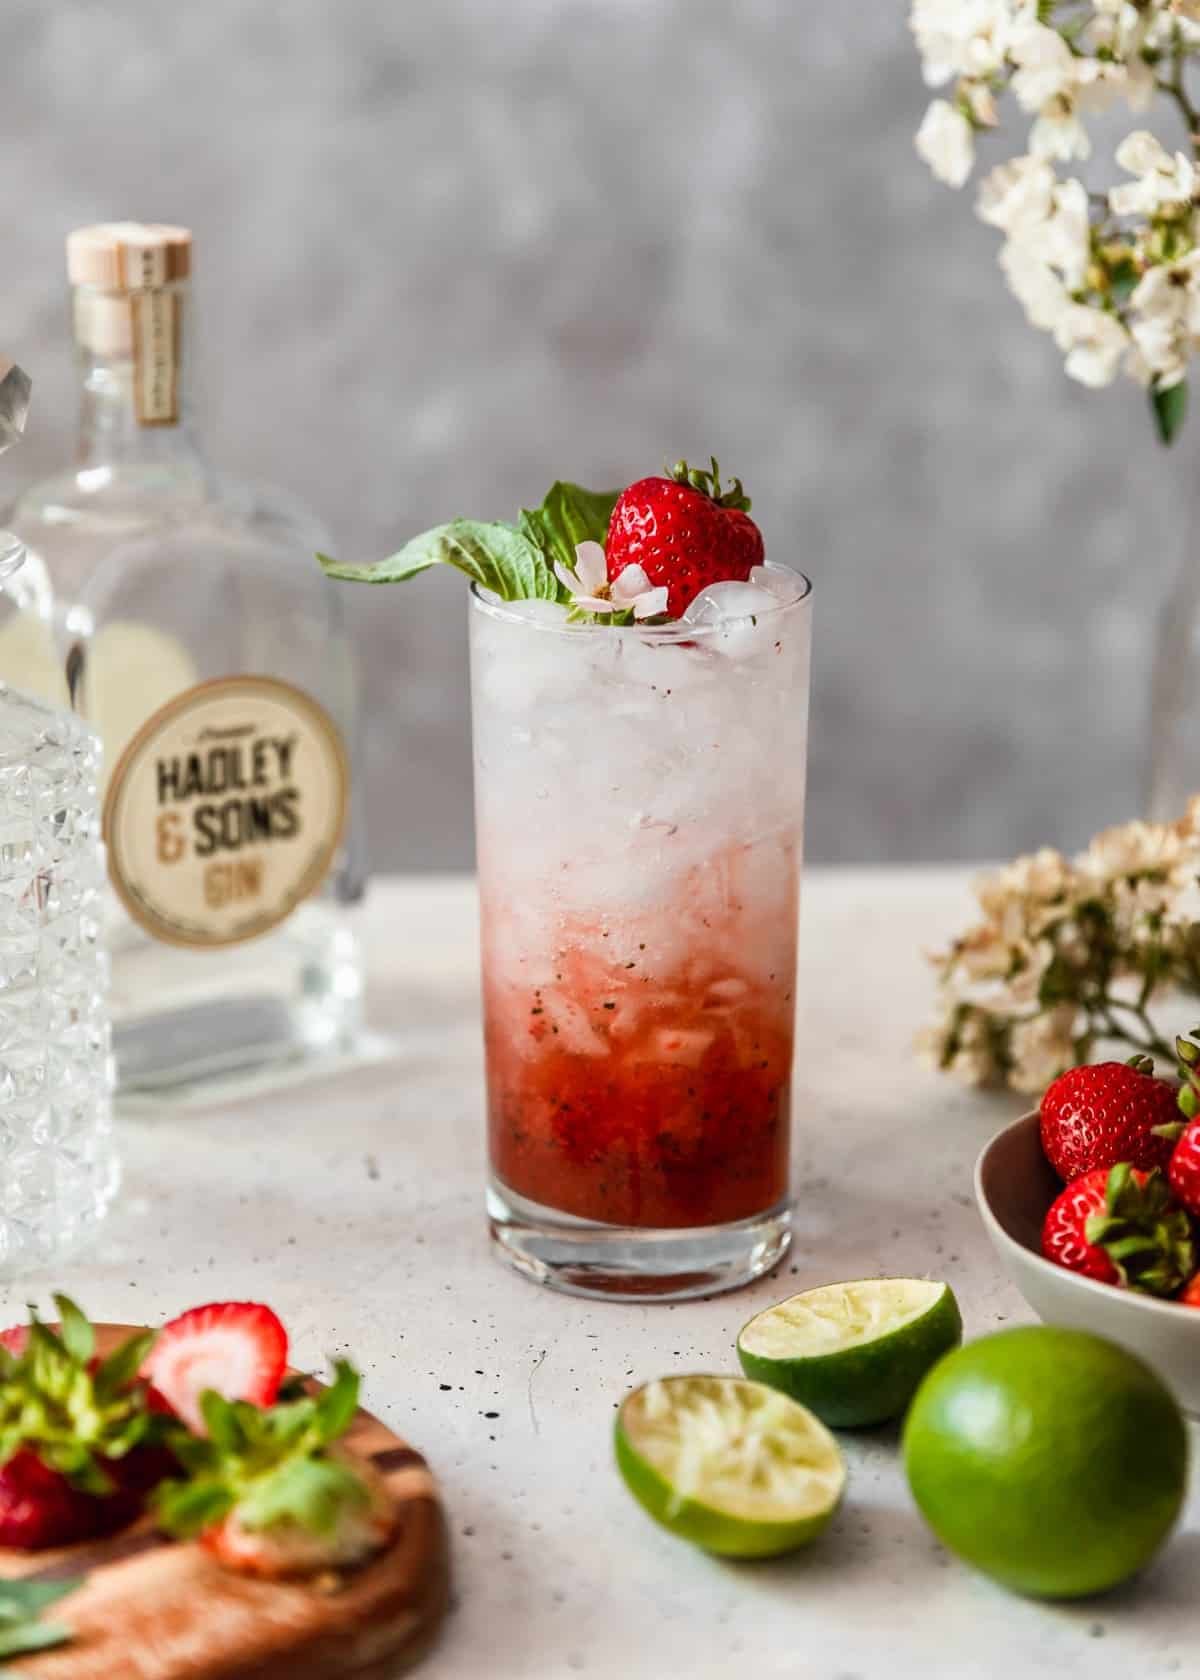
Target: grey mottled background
451, 249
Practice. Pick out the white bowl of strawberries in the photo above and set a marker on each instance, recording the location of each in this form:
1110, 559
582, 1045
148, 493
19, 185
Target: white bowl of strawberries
1093, 1205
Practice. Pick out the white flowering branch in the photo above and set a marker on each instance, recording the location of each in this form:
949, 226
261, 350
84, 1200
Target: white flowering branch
1114, 276
1069, 954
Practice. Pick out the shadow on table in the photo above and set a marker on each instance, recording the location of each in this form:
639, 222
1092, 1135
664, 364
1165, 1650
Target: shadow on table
1166, 1590
866, 1539
862, 1540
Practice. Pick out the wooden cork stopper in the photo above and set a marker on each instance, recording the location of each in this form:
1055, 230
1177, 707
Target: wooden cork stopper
128, 256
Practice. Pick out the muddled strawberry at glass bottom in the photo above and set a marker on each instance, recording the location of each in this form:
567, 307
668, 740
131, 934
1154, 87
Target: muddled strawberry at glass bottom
639, 797
642, 1084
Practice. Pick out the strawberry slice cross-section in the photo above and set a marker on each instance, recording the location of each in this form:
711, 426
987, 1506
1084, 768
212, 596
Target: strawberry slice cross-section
238, 1348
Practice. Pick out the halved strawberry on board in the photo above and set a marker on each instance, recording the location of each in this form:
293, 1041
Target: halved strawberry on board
236, 1348
274, 1491
79, 1447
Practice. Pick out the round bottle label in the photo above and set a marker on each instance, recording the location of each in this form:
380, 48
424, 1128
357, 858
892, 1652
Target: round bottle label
225, 811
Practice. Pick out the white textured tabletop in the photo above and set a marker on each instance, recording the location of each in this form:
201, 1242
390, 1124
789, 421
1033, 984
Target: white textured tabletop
354, 1206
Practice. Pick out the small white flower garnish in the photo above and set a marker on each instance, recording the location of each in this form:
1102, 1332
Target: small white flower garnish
591, 590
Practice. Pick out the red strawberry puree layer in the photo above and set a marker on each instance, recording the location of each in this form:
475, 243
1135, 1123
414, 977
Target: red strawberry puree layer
637, 1095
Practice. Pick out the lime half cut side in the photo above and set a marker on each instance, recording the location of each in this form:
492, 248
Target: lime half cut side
730, 1465
854, 1353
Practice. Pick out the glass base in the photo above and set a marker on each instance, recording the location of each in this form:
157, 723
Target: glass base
580, 1257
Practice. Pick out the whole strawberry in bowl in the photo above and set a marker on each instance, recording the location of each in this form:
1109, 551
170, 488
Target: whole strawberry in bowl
1080, 1204
1096, 1115
1121, 1226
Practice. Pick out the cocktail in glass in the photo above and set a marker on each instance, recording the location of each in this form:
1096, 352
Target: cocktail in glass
639, 804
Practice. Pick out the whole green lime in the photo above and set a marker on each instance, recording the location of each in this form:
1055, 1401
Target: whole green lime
1052, 1460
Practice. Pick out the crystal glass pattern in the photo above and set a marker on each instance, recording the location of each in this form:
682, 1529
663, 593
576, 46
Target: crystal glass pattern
58, 1166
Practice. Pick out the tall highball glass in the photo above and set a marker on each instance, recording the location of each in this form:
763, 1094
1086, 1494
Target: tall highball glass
639, 816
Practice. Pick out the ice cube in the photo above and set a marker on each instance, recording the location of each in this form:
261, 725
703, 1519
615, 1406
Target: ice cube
780, 581
569, 1023
520, 670
721, 603
738, 611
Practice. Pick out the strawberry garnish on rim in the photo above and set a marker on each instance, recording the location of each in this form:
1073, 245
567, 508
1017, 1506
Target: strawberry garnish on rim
685, 532
236, 1348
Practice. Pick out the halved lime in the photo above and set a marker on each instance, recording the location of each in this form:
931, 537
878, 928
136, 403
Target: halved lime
853, 1353
728, 1464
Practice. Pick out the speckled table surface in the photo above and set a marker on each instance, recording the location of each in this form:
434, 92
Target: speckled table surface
354, 1206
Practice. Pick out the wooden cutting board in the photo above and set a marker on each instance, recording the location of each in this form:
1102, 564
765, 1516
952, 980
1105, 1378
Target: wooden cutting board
158, 1609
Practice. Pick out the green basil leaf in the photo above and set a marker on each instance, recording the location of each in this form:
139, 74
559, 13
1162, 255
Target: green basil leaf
221, 1422
196, 1454
53, 1368
123, 1364
21, 1602
30, 1598
187, 1508
26, 1637
254, 1423
79, 1465
78, 1337
569, 516
498, 557
336, 1408
290, 1425
310, 1491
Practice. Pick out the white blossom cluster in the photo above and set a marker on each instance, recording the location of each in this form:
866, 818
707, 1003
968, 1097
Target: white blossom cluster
1114, 276
1069, 953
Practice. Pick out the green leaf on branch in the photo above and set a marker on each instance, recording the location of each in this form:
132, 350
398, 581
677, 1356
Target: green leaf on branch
569, 516
1123, 277
1058, 983
497, 557
1170, 410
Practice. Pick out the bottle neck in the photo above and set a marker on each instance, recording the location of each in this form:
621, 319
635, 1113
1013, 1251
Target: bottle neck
134, 408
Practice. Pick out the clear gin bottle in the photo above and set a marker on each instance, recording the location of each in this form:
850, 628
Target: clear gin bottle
194, 631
